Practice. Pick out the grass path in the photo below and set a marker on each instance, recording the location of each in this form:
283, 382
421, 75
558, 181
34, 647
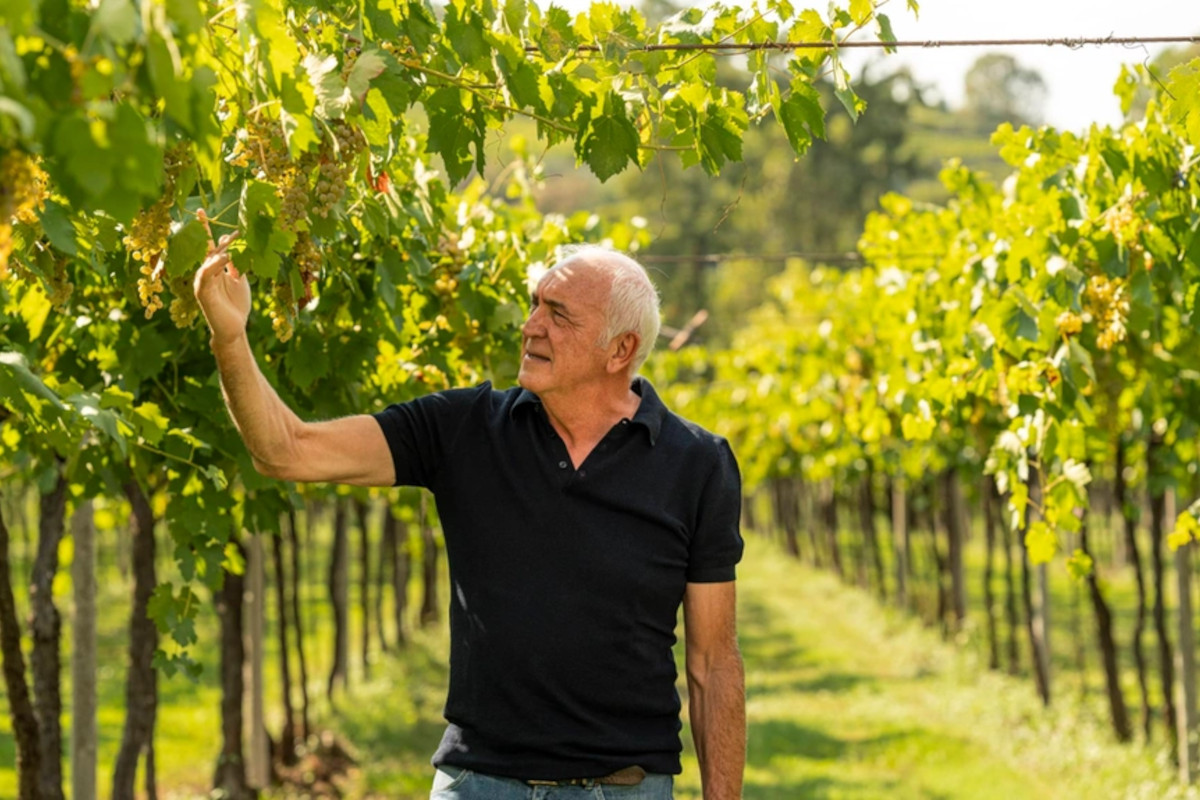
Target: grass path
846, 701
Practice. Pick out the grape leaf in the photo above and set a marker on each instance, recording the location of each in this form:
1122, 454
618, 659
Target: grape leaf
332, 96
802, 116
186, 249
454, 131
464, 29
174, 92
884, 24
610, 141
556, 37
720, 136
56, 222
860, 10
369, 66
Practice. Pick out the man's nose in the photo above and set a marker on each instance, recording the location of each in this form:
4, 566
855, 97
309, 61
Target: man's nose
533, 324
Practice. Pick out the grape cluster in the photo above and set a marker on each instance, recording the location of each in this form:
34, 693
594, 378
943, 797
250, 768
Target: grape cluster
1105, 300
399, 51
308, 259
263, 149
445, 285
147, 239
282, 310
308, 186
1121, 221
337, 159
293, 200
1069, 324
22, 195
183, 309
351, 58
148, 234
452, 259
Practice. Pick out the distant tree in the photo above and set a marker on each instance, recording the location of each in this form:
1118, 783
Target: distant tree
656, 11
998, 89
772, 203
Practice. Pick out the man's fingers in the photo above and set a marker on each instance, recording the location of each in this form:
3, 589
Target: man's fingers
202, 215
215, 248
225, 241
215, 264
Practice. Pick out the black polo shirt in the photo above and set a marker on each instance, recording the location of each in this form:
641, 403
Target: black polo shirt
566, 583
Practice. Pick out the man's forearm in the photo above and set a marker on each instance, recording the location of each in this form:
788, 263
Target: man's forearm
717, 709
265, 422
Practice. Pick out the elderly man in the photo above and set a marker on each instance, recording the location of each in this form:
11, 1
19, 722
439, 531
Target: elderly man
579, 514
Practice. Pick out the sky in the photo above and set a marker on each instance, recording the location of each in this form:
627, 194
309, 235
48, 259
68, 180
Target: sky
1079, 81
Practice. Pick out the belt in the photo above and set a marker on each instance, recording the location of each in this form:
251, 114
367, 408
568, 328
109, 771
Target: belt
628, 776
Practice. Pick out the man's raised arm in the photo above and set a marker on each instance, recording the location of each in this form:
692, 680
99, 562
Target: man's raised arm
347, 450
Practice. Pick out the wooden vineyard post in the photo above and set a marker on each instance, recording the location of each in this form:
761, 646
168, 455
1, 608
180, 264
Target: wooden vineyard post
258, 768
1185, 656
84, 728
900, 541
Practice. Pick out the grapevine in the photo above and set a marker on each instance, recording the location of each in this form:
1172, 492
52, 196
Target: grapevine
59, 284
308, 260
336, 165
150, 232
1069, 324
23, 194
1109, 307
147, 239
282, 310
183, 309
275, 116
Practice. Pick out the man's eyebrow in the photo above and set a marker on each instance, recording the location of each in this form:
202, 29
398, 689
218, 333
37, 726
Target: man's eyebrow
556, 305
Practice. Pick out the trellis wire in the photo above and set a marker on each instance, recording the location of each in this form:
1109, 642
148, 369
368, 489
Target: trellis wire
1073, 43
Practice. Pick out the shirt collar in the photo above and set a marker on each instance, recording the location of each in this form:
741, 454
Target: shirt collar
650, 413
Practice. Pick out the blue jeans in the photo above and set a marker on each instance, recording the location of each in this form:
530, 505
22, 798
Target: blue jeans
452, 783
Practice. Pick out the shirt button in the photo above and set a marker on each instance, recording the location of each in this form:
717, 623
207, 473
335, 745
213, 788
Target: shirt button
582, 474
562, 465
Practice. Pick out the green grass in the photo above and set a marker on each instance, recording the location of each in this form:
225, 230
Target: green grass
846, 699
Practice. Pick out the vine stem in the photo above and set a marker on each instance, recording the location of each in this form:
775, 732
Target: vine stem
164, 454
415, 65
723, 40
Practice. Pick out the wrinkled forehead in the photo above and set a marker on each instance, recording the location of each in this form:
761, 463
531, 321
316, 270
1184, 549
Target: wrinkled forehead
578, 279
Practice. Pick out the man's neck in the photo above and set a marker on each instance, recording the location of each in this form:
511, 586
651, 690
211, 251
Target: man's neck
583, 417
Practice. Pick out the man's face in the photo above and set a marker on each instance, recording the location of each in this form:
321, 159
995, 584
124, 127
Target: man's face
566, 320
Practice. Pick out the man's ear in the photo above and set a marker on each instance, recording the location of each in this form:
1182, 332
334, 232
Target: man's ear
622, 351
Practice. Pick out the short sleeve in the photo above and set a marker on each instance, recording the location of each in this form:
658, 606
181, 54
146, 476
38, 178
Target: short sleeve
421, 432
716, 545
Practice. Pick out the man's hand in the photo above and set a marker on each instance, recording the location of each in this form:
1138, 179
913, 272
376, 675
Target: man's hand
222, 292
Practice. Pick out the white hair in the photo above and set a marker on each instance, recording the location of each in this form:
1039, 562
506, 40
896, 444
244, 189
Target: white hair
633, 304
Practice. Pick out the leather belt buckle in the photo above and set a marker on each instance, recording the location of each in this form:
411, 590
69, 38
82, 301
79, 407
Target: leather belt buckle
629, 776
